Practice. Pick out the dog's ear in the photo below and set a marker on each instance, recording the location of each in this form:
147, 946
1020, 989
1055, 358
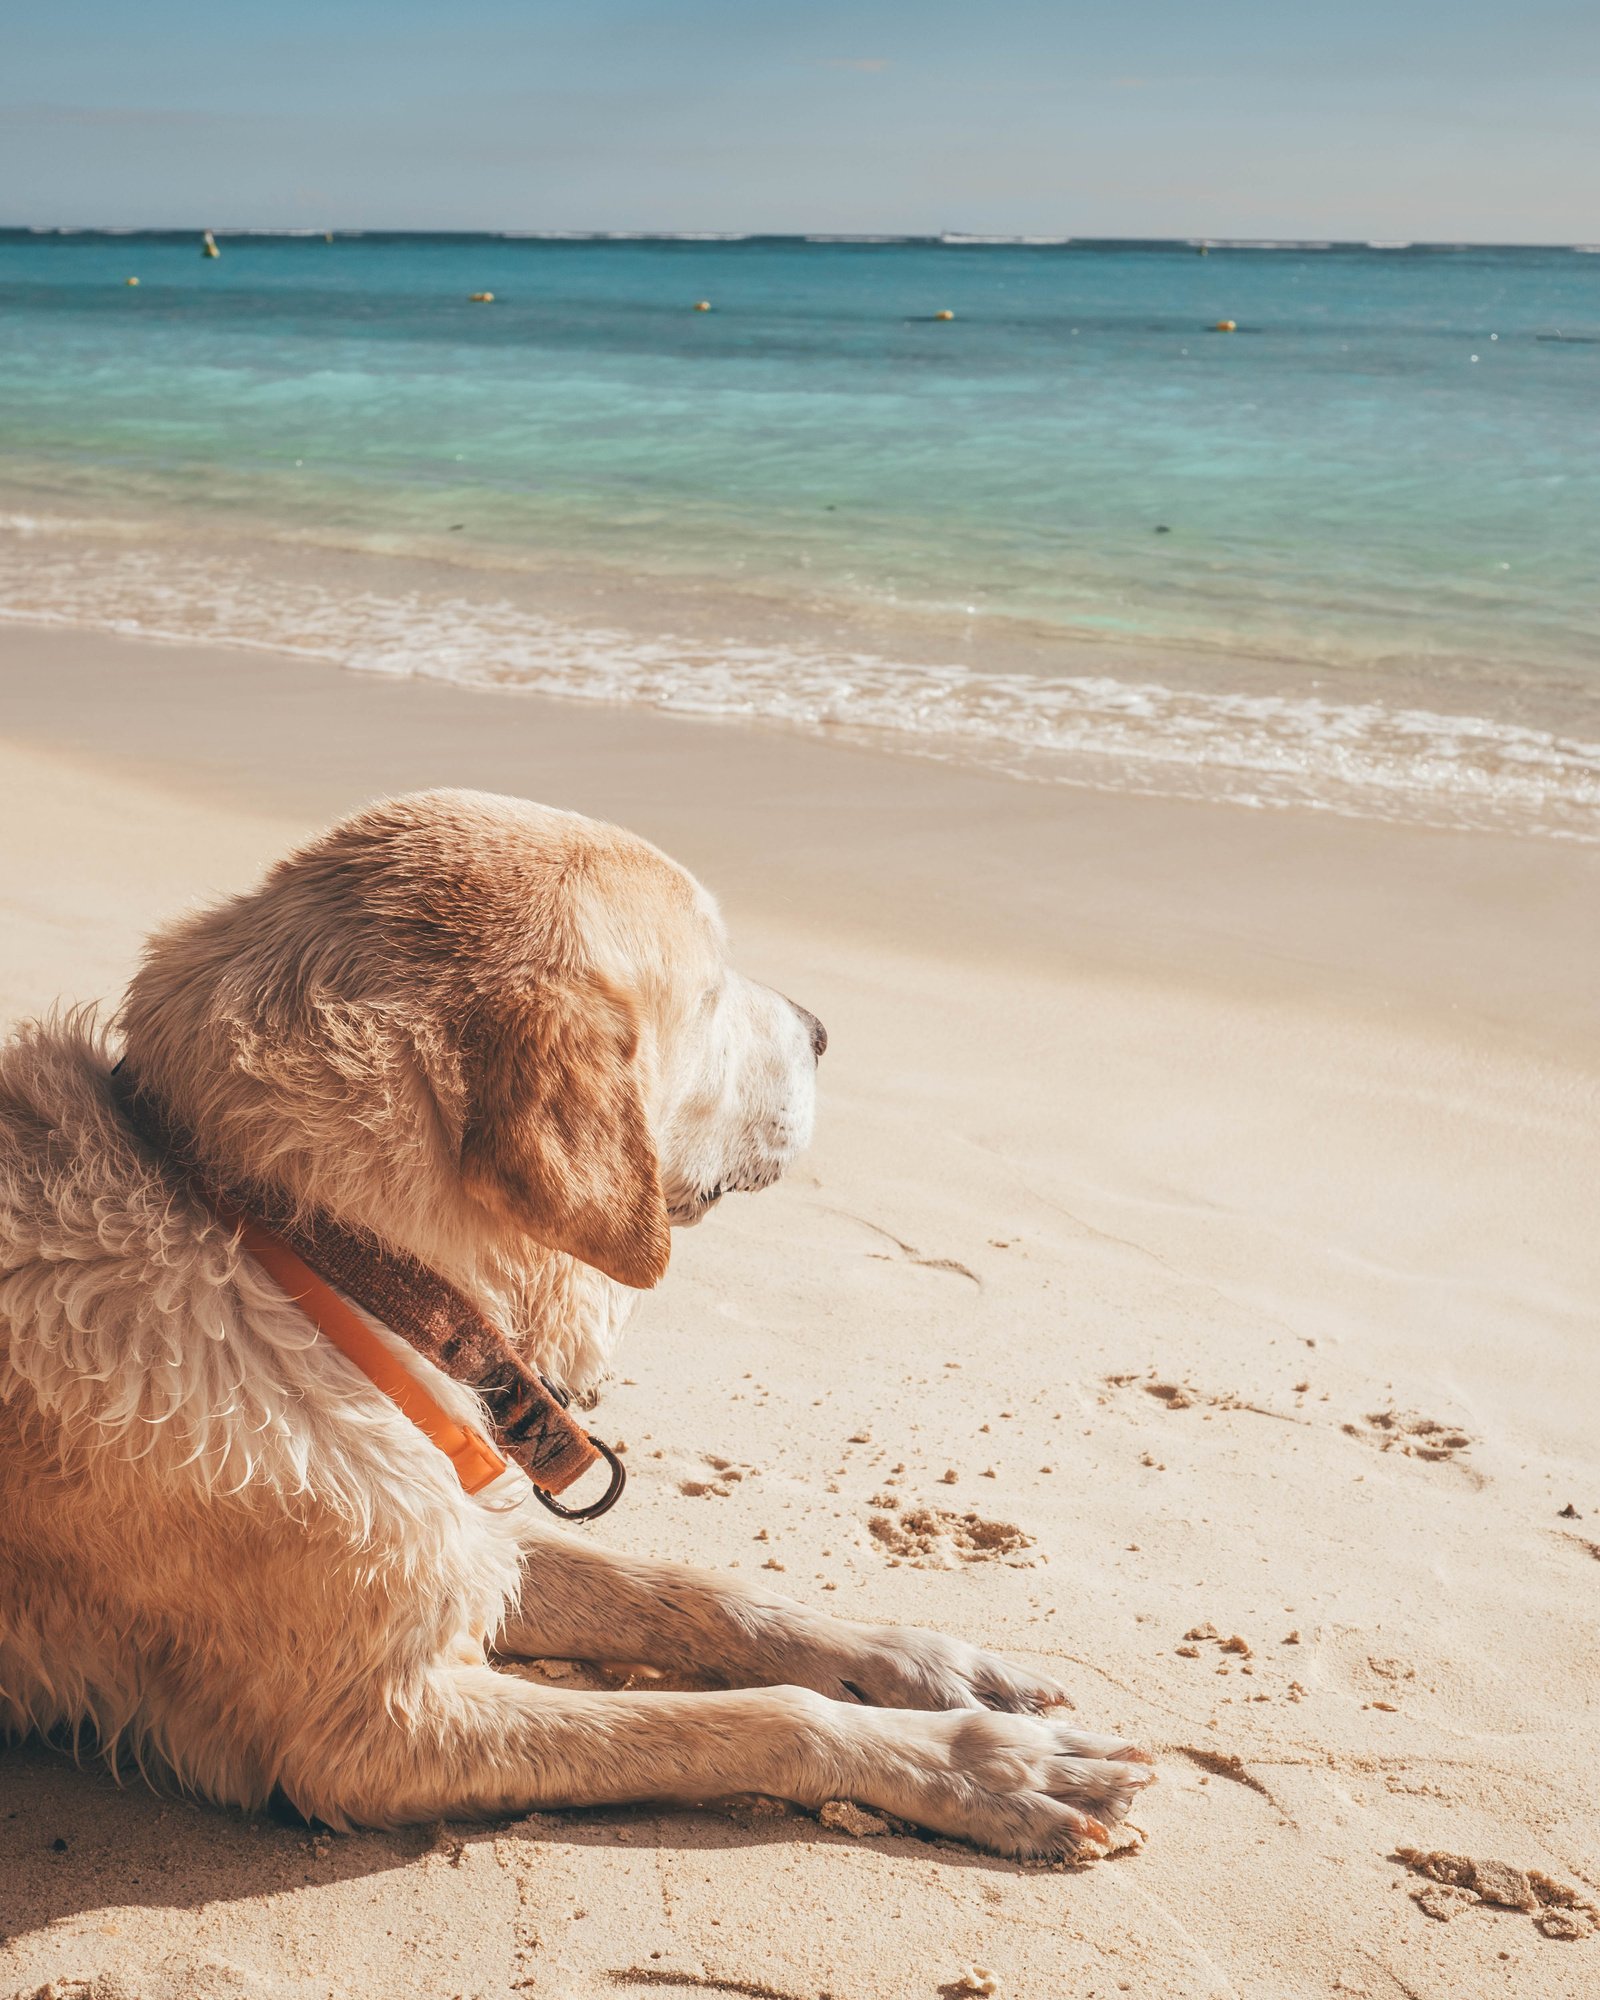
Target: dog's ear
556, 1138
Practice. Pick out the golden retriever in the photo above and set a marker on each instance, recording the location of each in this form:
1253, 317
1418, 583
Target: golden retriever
508, 1042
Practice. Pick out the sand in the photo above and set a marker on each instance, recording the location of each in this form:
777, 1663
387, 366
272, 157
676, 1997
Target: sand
1194, 1276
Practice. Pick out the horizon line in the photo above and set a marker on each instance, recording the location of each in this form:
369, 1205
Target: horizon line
866, 239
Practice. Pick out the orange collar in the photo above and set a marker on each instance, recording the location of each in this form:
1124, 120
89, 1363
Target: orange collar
476, 1461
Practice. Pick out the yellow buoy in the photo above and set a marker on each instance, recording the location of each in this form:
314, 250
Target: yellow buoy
1226, 326
130, 281
327, 236
944, 313
702, 305
483, 298
208, 245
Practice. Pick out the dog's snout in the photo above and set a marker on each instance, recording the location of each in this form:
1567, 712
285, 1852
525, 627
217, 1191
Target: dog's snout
814, 1028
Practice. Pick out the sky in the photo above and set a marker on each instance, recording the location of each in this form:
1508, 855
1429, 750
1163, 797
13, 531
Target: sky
1441, 120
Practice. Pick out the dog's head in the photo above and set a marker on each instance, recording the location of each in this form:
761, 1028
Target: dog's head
459, 1019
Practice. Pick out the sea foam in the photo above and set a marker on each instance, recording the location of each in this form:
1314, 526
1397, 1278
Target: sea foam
1365, 759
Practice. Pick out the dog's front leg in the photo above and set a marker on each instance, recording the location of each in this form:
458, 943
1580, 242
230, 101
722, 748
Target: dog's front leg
463, 1742
584, 1602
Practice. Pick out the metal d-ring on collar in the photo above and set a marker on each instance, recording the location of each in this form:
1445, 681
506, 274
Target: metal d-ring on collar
607, 1500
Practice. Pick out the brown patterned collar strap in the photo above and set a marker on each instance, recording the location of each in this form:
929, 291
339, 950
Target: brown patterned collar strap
315, 1259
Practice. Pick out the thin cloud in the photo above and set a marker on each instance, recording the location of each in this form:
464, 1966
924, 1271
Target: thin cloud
865, 65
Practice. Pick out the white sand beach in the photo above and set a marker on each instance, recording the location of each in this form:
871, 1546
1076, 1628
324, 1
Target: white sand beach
1199, 1249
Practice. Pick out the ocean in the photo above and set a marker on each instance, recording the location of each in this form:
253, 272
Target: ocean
1342, 558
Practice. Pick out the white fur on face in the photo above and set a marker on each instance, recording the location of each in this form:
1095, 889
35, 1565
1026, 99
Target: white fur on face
741, 1089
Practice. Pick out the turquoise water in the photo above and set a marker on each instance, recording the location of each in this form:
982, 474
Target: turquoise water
1068, 522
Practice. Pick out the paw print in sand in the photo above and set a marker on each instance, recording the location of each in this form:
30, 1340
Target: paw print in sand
1413, 1435
726, 1473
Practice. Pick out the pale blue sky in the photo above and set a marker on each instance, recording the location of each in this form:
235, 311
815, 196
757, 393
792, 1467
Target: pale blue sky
1386, 118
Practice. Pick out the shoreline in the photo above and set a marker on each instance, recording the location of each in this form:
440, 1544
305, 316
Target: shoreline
1203, 1194
1457, 743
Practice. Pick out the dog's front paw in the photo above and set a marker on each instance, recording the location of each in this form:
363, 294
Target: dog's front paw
901, 1666
1023, 1786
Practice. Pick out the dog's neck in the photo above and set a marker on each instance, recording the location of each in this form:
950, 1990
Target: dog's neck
415, 1300
561, 1318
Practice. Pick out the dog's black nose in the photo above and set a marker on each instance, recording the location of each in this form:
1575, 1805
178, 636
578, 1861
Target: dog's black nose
817, 1032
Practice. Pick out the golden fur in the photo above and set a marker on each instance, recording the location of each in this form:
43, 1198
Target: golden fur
508, 1041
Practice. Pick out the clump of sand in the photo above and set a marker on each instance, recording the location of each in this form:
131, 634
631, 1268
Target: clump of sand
843, 1817
1457, 1881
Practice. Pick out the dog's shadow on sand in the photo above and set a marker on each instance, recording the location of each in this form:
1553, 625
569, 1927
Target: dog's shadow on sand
74, 1840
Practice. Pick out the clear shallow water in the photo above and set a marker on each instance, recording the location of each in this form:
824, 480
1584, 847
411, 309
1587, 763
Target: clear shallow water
1375, 589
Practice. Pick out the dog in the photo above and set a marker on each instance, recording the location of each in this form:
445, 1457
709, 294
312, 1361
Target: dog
508, 1045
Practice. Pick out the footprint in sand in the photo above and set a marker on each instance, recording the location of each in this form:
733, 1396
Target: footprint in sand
1405, 1431
939, 1537
1185, 1396
1349, 1669
726, 1474
1413, 1435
